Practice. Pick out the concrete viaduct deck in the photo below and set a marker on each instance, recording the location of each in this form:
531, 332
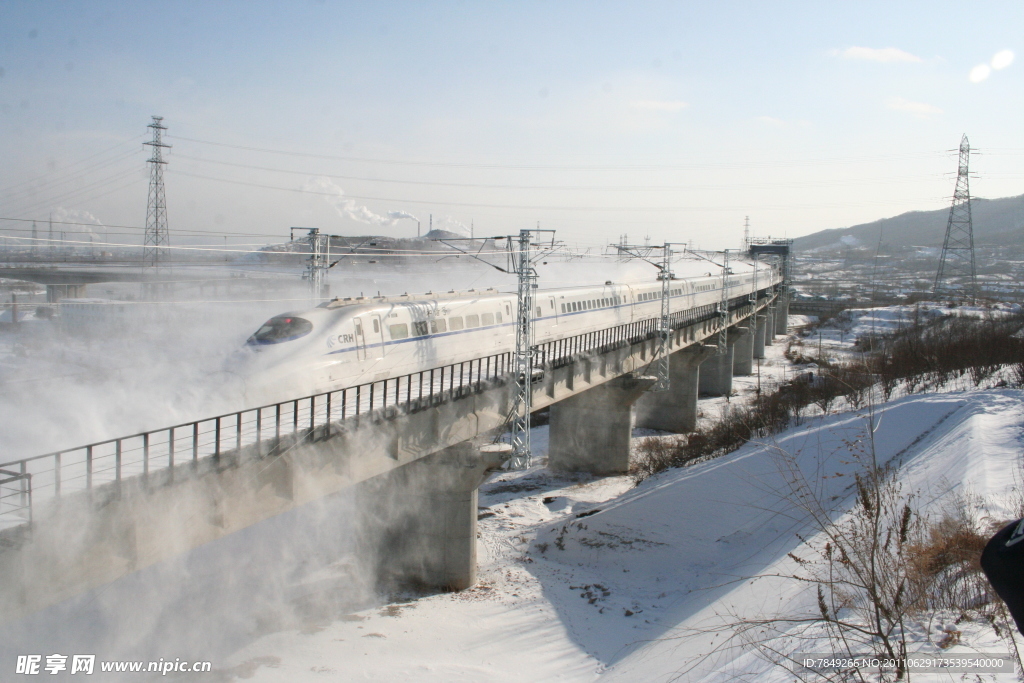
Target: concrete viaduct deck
83, 517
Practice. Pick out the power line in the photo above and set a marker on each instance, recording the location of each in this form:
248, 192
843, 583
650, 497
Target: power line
631, 209
595, 188
77, 163
773, 163
74, 194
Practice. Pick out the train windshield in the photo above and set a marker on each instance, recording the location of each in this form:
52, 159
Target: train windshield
281, 329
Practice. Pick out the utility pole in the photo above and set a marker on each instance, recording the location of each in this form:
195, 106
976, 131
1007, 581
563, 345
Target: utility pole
723, 308
522, 264
316, 265
957, 262
665, 324
523, 368
35, 239
665, 276
746, 234
157, 237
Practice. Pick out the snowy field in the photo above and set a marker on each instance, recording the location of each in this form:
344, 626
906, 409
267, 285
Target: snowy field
587, 578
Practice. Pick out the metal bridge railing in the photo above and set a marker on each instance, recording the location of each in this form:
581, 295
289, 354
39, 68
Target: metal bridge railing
84, 468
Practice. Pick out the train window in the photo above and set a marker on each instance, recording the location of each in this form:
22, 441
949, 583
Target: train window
472, 321
281, 329
438, 325
419, 328
498, 314
487, 319
508, 311
563, 308
399, 331
376, 325
455, 323
551, 303
539, 312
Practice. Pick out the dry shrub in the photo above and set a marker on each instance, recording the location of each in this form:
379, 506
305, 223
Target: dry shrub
945, 563
950, 347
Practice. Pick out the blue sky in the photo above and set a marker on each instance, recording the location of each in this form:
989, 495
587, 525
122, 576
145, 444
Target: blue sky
668, 120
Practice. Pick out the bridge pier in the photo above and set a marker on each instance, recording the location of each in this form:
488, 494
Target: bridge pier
55, 293
782, 313
743, 353
591, 431
675, 410
759, 325
769, 326
716, 372
418, 522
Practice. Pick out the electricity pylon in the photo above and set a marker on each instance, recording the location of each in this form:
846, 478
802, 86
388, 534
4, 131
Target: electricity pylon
958, 276
157, 237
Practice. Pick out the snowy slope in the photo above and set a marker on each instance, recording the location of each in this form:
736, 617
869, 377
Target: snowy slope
623, 592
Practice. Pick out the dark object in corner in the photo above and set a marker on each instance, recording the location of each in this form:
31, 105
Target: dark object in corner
1003, 563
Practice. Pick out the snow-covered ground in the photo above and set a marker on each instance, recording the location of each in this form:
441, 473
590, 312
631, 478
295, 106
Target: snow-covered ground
585, 578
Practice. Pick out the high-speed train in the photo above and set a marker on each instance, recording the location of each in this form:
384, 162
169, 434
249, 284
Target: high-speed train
344, 342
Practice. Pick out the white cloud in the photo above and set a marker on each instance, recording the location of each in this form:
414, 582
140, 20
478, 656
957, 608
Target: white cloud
917, 108
771, 121
884, 54
980, 73
659, 105
1002, 59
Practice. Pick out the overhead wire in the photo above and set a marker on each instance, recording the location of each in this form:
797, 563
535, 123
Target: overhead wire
596, 188
51, 183
78, 163
522, 207
773, 163
76, 192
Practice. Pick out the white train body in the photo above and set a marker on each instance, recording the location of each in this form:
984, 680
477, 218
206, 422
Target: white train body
353, 341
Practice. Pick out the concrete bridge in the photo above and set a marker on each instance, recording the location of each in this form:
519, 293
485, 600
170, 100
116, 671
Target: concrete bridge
414, 448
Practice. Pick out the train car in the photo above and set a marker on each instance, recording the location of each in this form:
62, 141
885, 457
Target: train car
344, 342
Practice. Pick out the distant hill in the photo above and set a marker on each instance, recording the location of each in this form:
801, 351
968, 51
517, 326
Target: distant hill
996, 222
